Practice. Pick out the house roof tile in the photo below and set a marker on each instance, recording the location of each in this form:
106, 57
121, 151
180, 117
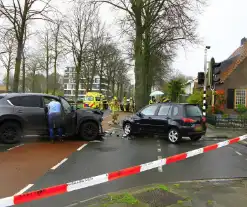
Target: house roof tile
230, 64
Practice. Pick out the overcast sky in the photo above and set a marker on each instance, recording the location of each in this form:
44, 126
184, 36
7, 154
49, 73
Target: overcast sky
222, 25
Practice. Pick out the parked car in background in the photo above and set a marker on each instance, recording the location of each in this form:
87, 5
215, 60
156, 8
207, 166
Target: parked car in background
26, 114
172, 119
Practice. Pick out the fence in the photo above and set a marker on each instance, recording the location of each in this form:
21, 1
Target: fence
232, 121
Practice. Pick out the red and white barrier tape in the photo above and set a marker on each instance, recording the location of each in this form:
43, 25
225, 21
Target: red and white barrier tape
84, 183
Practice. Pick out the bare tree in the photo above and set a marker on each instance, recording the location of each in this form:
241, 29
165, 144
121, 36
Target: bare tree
34, 65
57, 48
144, 17
97, 37
77, 35
19, 14
7, 57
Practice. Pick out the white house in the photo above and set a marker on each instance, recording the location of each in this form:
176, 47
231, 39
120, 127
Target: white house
189, 86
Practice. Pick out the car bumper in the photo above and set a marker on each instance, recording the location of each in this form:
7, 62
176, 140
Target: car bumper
192, 131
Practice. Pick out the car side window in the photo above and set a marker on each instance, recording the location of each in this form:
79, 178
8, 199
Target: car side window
150, 110
164, 110
175, 111
66, 106
26, 101
47, 100
97, 98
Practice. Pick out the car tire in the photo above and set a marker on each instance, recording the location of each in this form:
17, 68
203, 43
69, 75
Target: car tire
10, 133
195, 138
174, 136
89, 131
127, 129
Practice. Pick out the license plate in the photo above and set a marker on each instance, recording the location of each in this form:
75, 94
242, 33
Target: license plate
198, 128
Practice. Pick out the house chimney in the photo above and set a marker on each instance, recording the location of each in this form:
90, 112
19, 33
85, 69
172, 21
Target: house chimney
243, 40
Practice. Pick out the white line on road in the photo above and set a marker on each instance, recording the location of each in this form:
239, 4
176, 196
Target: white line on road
160, 169
24, 189
158, 140
60, 163
15, 147
158, 144
159, 150
238, 153
81, 147
96, 141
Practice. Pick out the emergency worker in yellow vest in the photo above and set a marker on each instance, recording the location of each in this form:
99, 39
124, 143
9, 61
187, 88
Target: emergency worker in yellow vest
114, 109
152, 100
124, 103
131, 105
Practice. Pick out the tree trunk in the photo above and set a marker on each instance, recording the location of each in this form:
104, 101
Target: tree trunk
17, 66
55, 77
121, 91
77, 80
118, 90
113, 87
93, 73
33, 81
139, 87
7, 80
24, 75
47, 65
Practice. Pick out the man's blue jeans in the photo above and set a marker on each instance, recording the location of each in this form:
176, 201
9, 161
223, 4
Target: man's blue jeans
54, 121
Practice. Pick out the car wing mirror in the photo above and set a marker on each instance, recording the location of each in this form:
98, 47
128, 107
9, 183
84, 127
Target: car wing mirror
139, 114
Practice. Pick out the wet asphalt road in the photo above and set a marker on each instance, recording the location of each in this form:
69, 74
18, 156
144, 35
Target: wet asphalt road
116, 153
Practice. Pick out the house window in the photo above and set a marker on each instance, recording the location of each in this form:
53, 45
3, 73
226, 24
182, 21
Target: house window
240, 97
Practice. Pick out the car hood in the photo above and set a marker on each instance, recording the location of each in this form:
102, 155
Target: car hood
88, 111
131, 117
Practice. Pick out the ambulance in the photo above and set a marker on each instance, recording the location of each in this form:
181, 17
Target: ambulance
94, 100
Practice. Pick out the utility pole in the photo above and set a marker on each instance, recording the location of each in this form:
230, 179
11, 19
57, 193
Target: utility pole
205, 81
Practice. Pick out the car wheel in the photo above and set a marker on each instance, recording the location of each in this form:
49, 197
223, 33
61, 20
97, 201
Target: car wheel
195, 138
10, 133
89, 131
127, 129
174, 136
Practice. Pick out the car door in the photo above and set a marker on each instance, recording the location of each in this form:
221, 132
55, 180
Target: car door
162, 118
30, 109
147, 121
69, 116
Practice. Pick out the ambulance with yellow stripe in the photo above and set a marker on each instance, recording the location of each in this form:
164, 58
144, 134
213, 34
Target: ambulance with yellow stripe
94, 100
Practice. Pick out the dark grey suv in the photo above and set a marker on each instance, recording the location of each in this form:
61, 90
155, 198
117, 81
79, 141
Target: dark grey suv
26, 114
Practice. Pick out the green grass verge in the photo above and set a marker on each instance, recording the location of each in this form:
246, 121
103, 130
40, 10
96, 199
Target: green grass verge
125, 198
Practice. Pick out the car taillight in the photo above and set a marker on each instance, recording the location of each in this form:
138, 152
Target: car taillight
204, 119
188, 120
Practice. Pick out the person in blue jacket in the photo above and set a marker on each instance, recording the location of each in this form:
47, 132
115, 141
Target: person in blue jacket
55, 119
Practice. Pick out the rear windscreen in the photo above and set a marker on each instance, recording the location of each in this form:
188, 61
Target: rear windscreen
192, 111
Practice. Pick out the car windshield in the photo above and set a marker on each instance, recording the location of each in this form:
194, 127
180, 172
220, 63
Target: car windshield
193, 111
88, 98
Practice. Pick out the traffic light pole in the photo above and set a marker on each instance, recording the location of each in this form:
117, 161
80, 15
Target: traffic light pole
205, 84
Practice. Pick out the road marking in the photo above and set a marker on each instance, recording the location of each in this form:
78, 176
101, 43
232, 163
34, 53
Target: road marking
15, 147
96, 141
60, 163
158, 140
159, 150
238, 153
160, 169
81, 147
24, 189
158, 144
